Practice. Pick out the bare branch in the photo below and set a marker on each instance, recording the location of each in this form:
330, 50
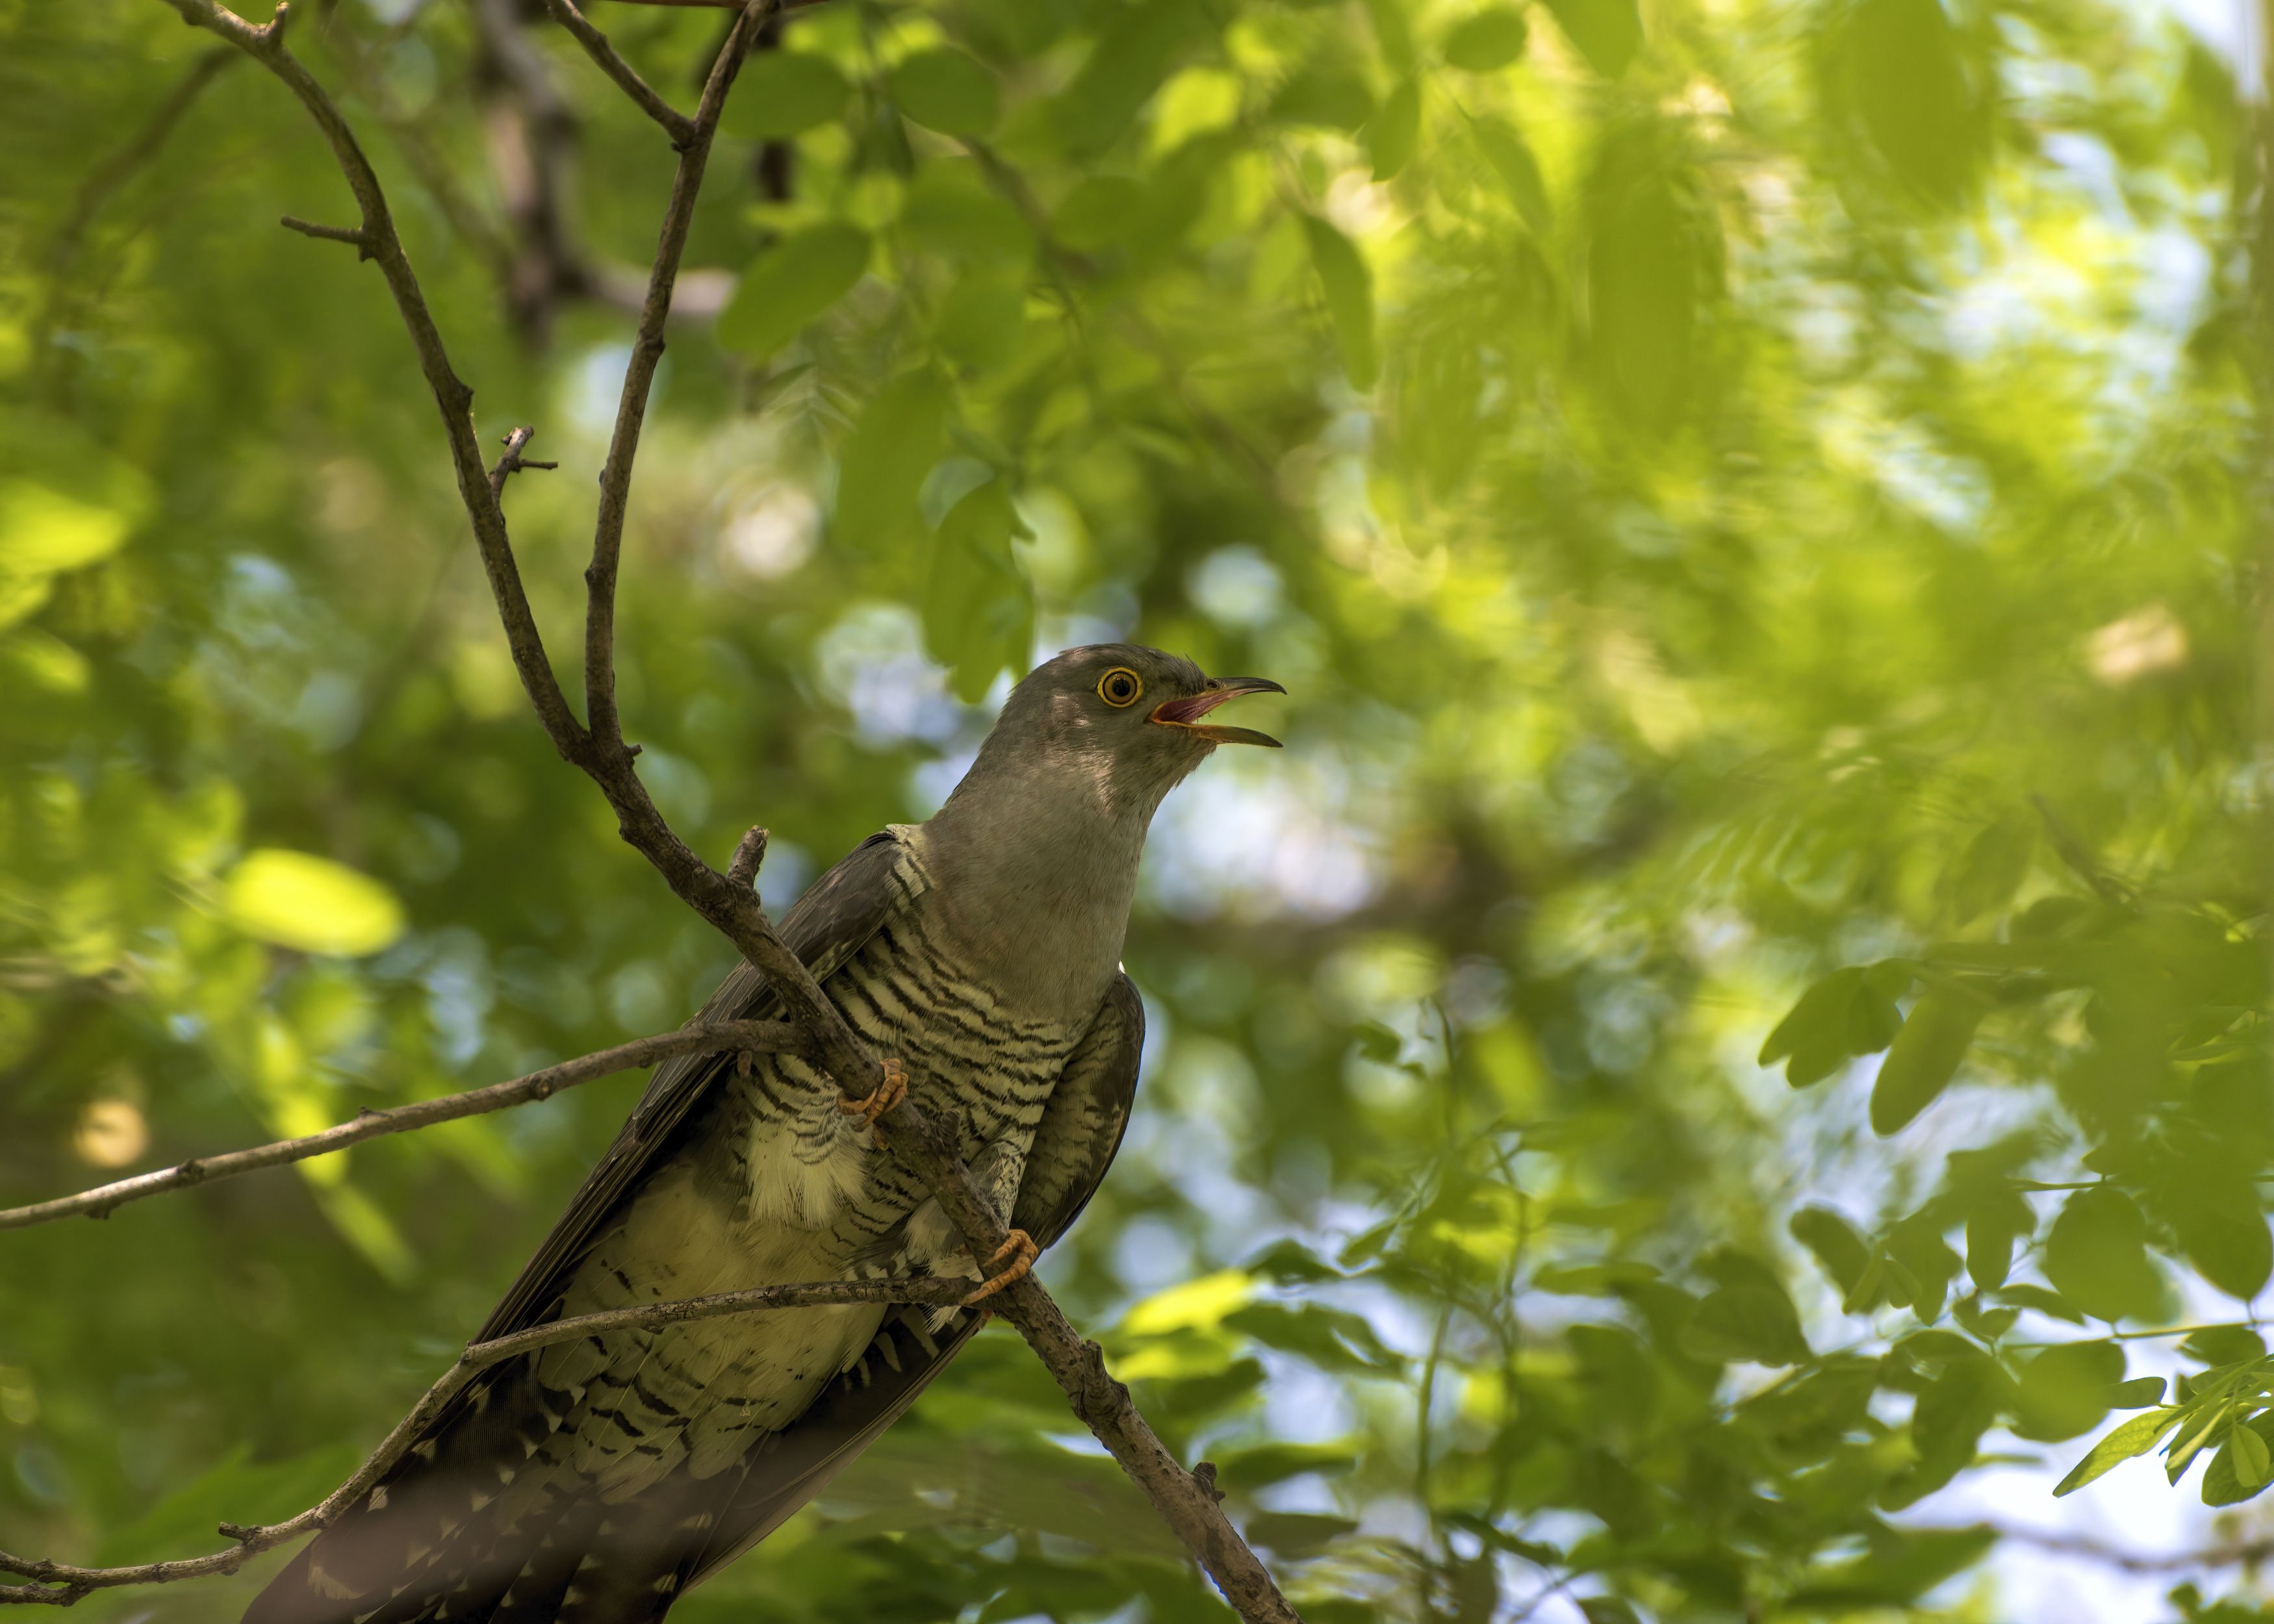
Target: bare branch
675, 124
61, 1584
747, 1037
512, 463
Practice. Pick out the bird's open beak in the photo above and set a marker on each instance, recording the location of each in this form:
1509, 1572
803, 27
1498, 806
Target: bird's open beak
1187, 712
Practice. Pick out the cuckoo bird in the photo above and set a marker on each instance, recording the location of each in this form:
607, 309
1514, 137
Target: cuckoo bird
594, 1481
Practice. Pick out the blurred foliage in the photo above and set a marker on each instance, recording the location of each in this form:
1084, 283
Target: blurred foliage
1750, 500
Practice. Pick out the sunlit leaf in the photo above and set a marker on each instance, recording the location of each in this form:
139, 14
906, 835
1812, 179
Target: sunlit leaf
2131, 1438
1485, 40
299, 901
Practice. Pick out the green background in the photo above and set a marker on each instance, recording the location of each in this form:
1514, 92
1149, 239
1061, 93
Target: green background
1752, 503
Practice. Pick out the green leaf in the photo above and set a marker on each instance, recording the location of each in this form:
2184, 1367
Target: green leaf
1396, 126
1130, 59
1924, 1055
980, 322
1293, 1535
1901, 1567
2044, 1302
1608, 1610
298, 900
2241, 1469
2131, 1438
2136, 1394
1607, 31
2097, 1256
2252, 1465
946, 91
2063, 1392
1349, 287
1749, 1318
1102, 209
1845, 1014
784, 93
1900, 70
1487, 41
2221, 1228
951, 209
884, 461
1323, 93
1510, 157
2223, 1344
791, 284
1837, 1245
1993, 869
1992, 1226
978, 611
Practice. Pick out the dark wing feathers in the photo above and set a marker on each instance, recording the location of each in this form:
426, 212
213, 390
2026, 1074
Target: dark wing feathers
1081, 1129
658, 1549
830, 922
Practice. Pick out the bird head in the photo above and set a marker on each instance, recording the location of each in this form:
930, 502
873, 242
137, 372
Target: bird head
1129, 720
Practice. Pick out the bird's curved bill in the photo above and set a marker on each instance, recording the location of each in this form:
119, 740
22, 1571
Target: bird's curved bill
1187, 712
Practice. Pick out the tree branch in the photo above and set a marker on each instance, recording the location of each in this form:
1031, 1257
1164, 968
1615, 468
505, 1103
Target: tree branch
512, 463
61, 1584
752, 1036
675, 124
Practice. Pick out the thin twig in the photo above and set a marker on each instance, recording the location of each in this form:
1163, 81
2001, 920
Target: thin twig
62, 1583
747, 1037
675, 124
512, 463
352, 235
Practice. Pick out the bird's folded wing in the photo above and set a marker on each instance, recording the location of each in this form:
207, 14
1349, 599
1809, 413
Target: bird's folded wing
1075, 1142
829, 923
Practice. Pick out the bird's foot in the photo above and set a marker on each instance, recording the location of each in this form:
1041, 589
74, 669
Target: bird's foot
1021, 1251
881, 1099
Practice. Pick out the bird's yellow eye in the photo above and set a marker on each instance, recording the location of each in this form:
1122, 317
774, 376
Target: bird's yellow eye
1121, 686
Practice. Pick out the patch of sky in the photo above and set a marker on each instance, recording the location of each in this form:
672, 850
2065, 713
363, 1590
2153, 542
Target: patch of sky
460, 992
593, 386
788, 870
1256, 835
872, 662
1236, 586
680, 788
329, 711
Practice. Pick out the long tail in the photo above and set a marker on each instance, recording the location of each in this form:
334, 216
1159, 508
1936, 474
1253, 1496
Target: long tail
476, 1523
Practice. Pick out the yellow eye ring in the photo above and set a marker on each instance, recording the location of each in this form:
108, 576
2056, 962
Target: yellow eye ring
1120, 688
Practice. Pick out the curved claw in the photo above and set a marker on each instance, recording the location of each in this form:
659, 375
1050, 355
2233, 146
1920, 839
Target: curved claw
885, 1096
1021, 1252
